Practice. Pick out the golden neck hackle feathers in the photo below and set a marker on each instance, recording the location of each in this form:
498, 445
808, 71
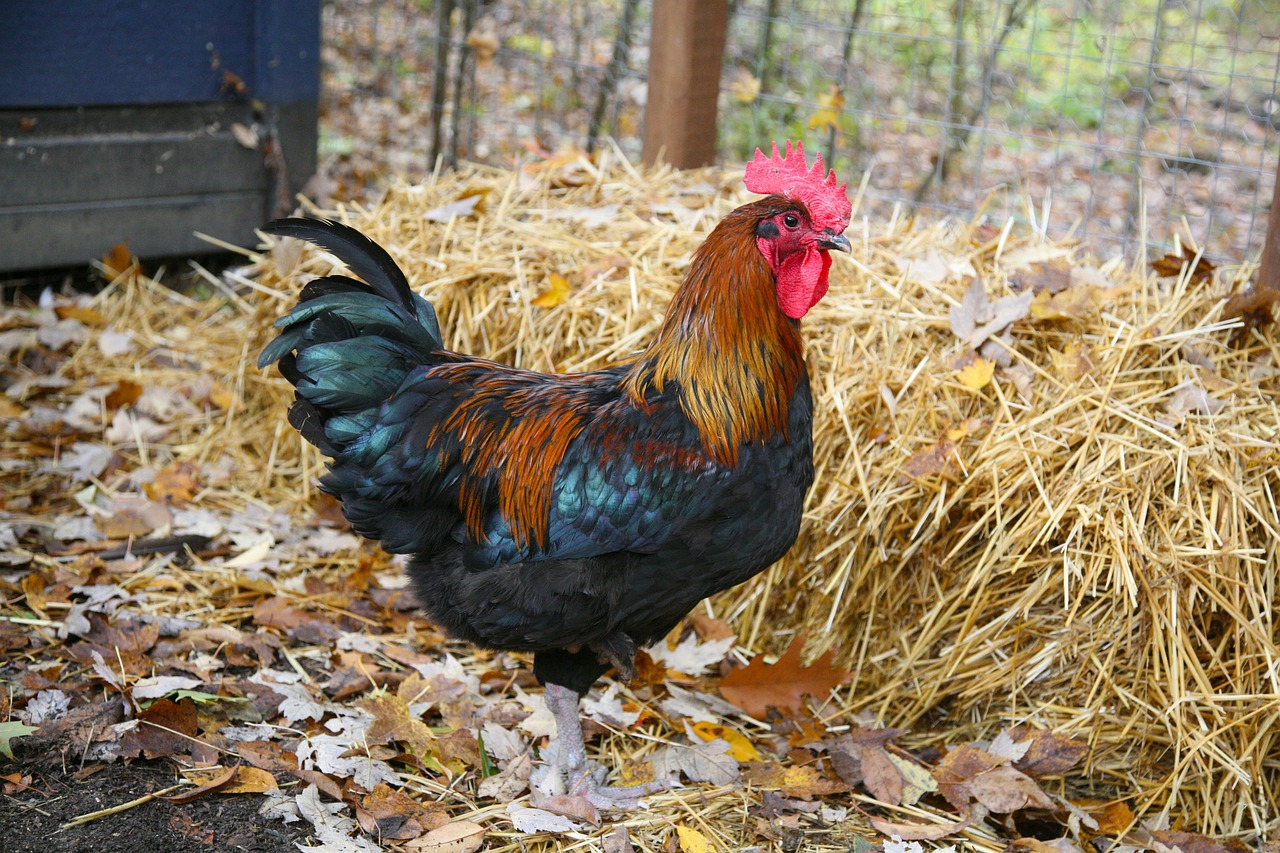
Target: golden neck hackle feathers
733, 354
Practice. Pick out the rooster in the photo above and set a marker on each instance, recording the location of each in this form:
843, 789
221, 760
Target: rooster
575, 516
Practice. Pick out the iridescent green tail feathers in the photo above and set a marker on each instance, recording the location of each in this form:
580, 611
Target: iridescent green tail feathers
348, 345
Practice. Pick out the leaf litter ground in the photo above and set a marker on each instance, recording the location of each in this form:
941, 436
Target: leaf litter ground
1036, 572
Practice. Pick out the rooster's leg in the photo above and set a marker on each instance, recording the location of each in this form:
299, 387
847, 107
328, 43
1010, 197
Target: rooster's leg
580, 777
563, 703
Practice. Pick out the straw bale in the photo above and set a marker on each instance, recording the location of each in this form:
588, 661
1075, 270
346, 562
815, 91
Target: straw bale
1094, 554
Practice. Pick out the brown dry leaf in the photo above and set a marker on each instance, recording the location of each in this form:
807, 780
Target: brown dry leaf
277, 612
1075, 362
460, 836
133, 517
1050, 276
118, 261
82, 313
709, 628
1171, 265
881, 776
165, 728
1050, 753
566, 805
604, 268
931, 461
175, 484
123, 394
392, 721
510, 783
1169, 841
958, 767
977, 318
1191, 398
758, 686
207, 781
557, 291
387, 813
618, 841
805, 783
1113, 818
1074, 303
926, 832
1004, 789
1255, 306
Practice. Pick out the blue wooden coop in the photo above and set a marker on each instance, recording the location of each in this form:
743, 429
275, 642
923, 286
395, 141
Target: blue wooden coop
148, 121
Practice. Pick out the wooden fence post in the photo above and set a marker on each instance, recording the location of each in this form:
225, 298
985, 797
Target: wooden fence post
685, 55
1269, 270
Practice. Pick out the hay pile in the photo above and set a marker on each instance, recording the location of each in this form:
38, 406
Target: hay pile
1089, 542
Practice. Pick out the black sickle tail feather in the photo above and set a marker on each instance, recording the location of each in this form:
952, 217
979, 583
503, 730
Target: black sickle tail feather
348, 345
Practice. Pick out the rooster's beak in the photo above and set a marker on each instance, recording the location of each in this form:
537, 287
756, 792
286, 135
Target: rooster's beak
832, 240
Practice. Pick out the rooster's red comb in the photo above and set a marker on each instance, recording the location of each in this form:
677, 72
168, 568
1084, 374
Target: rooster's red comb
789, 174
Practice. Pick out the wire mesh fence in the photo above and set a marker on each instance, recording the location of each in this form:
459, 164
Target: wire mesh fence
1118, 121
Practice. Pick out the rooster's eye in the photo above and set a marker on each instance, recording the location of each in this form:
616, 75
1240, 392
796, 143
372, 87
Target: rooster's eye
791, 220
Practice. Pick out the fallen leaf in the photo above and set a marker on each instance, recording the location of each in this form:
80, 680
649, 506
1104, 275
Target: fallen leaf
175, 484
10, 730
1113, 818
1050, 276
1190, 398
699, 762
134, 517
393, 721
1074, 303
165, 728
460, 208
692, 656
387, 813
619, 840
1051, 754
977, 374
1169, 841
557, 292
83, 313
245, 136
693, 841
207, 781
567, 805
802, 782
1173, 265
740, 747
1004, 789
250, 780
958, 767
118, 261
881, 776
925, 832
977, 318
931, 461
121, 395
509, 783
531, 820
710, 628
758, 686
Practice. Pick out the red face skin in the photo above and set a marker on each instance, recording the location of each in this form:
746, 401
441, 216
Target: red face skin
799, 265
